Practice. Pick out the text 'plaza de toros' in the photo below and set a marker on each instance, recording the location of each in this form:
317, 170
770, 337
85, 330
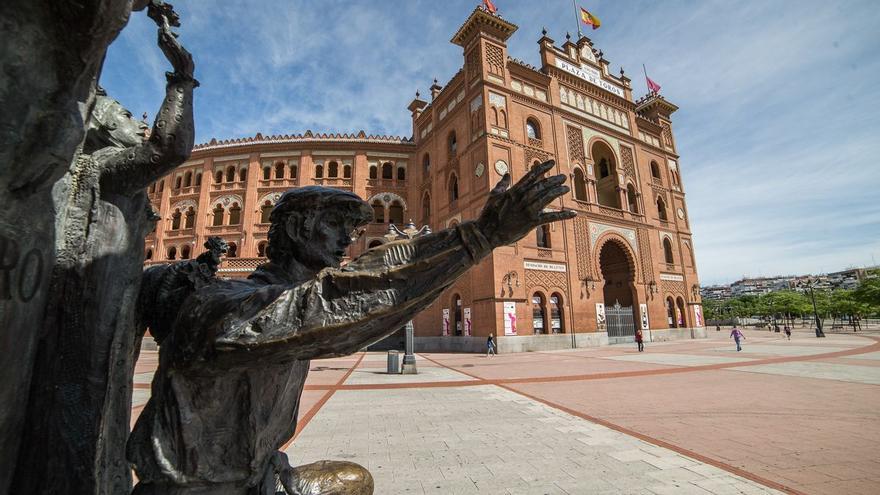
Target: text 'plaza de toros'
625, 262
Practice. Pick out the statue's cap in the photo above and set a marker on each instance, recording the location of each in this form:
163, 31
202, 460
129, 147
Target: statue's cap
320, 198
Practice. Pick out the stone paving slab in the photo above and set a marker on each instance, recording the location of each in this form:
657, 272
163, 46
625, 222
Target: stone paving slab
376, 376
780, 349
813, 369
678, 359
872, 356
485, 439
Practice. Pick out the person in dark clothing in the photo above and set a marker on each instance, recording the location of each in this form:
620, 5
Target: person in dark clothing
490, 346
640, 340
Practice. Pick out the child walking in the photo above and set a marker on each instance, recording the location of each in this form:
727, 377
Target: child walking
737, 337
490, 346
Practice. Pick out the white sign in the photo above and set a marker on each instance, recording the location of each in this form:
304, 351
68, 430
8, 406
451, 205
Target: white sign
600, 316
589, 74
643, 309
698, 313
547, 267
671, 277
445, 322
467, 321
509, 318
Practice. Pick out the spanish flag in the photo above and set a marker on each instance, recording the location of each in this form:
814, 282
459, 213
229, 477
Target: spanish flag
589, 19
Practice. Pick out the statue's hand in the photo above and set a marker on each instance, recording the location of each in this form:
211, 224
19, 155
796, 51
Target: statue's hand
179, 57
511, 213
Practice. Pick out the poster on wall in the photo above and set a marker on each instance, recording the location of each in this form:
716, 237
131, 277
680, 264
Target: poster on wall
509, 318
467, 321
446, 322
698, 314
643, 310
600, 316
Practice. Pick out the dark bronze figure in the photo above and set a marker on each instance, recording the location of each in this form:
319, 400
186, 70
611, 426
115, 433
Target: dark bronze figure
233, 361
79, 406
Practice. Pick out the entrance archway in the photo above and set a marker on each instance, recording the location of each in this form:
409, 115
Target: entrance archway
618, 291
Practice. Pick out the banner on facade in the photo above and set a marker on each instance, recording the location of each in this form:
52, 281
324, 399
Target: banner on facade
643, 310
445, 322
509, 318
698, 313
600, 316
467, 322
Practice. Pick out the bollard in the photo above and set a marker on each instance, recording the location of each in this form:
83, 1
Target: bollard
393, 362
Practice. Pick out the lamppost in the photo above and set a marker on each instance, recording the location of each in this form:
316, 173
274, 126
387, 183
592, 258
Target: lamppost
809, 284
409, 232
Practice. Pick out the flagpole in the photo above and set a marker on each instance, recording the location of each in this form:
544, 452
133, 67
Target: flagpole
646, 75
577, 18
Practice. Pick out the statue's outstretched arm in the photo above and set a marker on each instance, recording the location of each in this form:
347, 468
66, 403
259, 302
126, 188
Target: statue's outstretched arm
171, 139
341, 311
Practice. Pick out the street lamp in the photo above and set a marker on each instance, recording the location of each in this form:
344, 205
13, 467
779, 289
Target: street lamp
394, 234
809, 284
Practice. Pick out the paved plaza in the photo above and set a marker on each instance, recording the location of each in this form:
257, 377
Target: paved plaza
684, 417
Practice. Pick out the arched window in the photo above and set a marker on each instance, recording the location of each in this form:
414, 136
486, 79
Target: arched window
426, 165
580, 185
218, 177
198, 179
533, 130
387, 170
242, 175
187, 179
607, 185
346, 171
172, 253
401, 173
294, 170
604, 169
502, 119
279, 170
426, 208
453, 188
456, 309
661, 209
632, 198
218, 216
333, 169
230, 174
689, 255
539, 313
675, 177
175, 219
149, 254
177, 182
378, 212
190, 219
395, 213
261, 249
374, 243
682, 314
557, 318
266, 212
234, 214
373, 172
495, 116
655, 170
667, 251
232, 251
319, 171
452, 144
670, 313
184, 252
267, 173
543, 236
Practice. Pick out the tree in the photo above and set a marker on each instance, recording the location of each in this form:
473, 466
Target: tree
868, 292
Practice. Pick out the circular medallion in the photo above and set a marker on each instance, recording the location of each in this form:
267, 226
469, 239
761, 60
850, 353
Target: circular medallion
680, 213
501, 167
480, 169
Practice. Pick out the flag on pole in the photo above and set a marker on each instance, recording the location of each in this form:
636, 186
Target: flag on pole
654, 87
589, 19
490, 6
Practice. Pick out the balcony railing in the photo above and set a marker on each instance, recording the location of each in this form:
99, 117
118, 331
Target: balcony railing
228, 186
612, 212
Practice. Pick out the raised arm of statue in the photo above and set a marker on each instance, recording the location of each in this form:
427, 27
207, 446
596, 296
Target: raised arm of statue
340, 311
171, 139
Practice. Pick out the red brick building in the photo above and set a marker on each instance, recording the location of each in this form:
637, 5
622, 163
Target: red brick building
626, 261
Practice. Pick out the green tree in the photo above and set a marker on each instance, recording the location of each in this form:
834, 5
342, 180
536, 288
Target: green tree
868, 292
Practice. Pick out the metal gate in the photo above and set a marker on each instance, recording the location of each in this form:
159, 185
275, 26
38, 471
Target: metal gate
620, 322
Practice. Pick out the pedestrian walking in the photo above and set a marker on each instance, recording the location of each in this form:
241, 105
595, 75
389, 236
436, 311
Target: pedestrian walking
788, 332
737, 337
490, 346
640, 340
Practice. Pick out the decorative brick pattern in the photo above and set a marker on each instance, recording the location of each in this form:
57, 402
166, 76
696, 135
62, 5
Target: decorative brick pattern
575, 144
473, 64
532, 155
495, 59
674, 287
667, 135
582, 246
626, 159
536, 279
645, 256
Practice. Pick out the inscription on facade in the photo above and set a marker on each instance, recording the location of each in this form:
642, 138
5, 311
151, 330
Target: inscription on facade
547, 267
589, 74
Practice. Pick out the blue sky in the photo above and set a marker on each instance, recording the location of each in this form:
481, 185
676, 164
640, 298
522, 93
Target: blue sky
778, 131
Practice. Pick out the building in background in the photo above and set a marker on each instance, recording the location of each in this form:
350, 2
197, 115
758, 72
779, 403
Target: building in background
626, 261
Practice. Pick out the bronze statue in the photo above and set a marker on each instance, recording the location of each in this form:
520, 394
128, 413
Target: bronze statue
79, 405
233, 361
